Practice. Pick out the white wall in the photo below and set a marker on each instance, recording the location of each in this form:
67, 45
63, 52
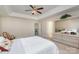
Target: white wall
68, 24
17, 26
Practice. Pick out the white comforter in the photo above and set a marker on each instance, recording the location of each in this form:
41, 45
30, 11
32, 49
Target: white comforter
33, 45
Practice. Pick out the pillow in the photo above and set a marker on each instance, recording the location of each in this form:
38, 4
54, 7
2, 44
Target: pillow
2, 39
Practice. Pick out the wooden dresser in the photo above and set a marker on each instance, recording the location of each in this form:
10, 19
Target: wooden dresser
71, 40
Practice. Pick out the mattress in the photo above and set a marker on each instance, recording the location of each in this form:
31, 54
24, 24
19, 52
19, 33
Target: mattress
33, 45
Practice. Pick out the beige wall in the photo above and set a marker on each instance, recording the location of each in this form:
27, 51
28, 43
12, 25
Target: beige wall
0, 26
68, 24
47, 28
17, 26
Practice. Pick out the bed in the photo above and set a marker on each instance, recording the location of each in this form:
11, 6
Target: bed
33, 45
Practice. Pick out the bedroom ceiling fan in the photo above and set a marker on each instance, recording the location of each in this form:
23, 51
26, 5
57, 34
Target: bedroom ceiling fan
35, 9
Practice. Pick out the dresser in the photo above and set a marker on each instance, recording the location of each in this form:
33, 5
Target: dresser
70, 40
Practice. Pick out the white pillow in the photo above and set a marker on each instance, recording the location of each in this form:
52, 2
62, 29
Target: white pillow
2, 39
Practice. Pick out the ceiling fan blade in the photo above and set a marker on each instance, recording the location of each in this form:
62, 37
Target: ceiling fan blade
40, 8
39, 12
28, 10
31, 6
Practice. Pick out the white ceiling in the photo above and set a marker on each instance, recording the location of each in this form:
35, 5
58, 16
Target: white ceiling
21, 9
18, 10
72, 11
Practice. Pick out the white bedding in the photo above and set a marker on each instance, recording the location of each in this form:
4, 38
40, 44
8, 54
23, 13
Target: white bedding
33, 45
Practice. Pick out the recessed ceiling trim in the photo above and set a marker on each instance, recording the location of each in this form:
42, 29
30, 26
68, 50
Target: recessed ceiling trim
45, 15
14, 14
56, 10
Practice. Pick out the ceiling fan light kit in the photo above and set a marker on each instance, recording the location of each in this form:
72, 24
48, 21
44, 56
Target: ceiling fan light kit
34, 12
